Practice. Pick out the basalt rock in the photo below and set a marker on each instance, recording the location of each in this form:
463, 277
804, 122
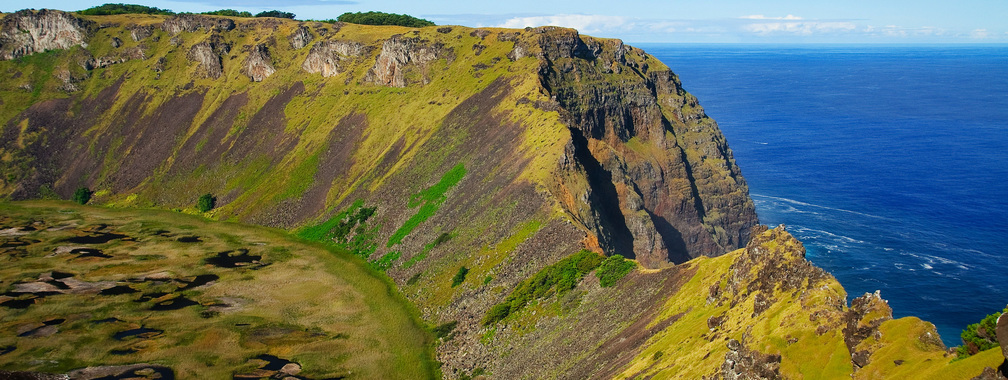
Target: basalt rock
400, 55
28, 31
301, 37
330, 58
863, 318
192, 22
208, 55
258, 65
742, 362
637, 205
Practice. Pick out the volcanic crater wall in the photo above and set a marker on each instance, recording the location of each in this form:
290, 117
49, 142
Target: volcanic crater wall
562, 142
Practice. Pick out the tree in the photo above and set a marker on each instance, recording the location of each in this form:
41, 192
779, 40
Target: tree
275, 13
82, 195
382, 18
120, 8
206, 202
229, 12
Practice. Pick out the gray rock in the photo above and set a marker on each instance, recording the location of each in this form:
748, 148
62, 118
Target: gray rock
259, 65
28, 31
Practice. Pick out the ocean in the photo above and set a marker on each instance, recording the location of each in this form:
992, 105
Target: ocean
890, 163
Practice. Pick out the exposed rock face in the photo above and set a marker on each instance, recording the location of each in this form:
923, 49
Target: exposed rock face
300, 38
398, 56
329, 57
27, 32
258, 65
742, 363
141, 32
689, 201
191, 23
208, 55
863, 319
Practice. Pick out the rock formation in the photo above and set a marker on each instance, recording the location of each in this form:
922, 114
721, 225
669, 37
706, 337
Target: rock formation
300, 38
27, 32
258, 65
399, 55
329, 58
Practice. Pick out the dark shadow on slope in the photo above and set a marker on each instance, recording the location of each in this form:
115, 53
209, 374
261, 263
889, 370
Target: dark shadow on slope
616, 236
674, 242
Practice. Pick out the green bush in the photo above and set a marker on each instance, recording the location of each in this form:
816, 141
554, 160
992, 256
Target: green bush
613, 268
445, 329
82, 195
557, 278
206, 202
460, 276
275, 13
120, 8
975, 340
382, 18
229, 12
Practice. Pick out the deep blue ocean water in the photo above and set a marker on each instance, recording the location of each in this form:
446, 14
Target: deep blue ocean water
890, 163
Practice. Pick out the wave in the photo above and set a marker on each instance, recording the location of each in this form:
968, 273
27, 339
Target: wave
806, 204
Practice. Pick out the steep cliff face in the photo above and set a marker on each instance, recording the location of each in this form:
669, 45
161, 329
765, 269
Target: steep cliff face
27, 32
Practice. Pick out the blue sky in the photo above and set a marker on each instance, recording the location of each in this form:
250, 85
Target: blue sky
694, 21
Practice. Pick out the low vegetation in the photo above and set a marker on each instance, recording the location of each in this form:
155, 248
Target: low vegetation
429, 200
554, 279
612, 269
460, 276
382, 18
979, 337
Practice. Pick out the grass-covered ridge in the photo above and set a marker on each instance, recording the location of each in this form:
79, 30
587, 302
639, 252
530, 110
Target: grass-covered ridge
204, 317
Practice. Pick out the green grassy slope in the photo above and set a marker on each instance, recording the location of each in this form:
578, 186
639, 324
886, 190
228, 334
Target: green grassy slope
300, 302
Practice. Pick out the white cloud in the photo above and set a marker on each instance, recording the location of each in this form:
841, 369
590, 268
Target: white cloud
583, 23
762, 17
804, 28
979, 33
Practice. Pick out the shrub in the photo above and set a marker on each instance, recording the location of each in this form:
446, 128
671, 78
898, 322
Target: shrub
444, 330
382, 18
613, 269
82, 195
460, 276
120, 8
275, 13
979, 337
557, 278
206, 202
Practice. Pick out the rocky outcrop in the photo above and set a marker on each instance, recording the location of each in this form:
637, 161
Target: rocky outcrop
688, 201
330, 58
141, 32
28, 31
300, 38
258, 65
741, 362
193, 22
400, 55
862, 321
208, 55
1002, 334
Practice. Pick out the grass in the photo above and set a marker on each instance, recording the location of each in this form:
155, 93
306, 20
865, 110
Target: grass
322, 308
429, 200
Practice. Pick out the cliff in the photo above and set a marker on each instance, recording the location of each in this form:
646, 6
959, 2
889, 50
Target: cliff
426, 151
